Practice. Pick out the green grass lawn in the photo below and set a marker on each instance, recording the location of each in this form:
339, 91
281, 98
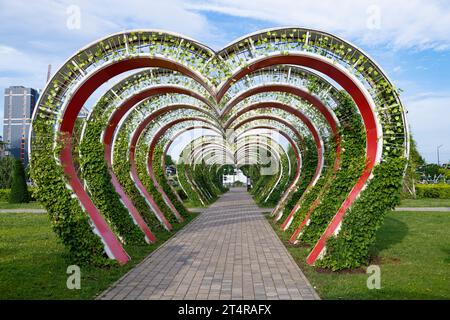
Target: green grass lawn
33, 263
413, 252
31, 205
425, 203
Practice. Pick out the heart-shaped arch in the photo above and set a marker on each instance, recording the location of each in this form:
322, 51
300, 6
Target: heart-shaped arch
377, 101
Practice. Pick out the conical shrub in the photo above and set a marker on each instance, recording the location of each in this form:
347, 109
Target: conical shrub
19, 191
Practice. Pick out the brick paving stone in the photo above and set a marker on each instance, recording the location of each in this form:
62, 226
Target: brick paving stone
229, 252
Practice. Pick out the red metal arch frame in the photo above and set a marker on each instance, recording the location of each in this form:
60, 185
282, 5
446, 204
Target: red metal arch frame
373, 150
74, 105
316, 103
350, 83
169, 144
132, 148
298, 114
107, 140
110, 130
299, 136
296, 151
83, 92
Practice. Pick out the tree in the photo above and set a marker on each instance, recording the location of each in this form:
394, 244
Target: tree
169, 160
411, 176
431, 170
6, 169
19, 191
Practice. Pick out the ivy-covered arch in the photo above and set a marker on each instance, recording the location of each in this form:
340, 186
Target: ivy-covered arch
258, 80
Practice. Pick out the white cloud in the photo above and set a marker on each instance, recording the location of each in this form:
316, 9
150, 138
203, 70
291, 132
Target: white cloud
402, 23
21, 68
428, 116
47, 19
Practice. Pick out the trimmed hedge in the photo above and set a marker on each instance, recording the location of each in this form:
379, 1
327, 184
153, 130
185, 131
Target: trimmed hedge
440, 190
4, 194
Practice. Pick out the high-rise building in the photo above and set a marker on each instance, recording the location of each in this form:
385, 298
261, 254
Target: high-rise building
18, 109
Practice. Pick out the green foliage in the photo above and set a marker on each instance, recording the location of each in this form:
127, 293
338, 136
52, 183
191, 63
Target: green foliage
203, 183
431, 169
19, 189
267, 183
440, 190
316, 193
6, 169
162, 180
68, 217
411, 175
217, 177
168, 161
98, 180
122, 167
353, 145
350, 248
4, 195
141, 165
187, 187
69, 221
309, 163
283, 183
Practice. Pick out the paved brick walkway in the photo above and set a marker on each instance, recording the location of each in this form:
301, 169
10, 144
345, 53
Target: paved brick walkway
229, 252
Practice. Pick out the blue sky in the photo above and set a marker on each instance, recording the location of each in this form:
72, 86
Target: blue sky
409, 39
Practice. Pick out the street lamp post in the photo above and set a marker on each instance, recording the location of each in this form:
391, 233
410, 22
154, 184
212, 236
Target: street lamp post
437, 149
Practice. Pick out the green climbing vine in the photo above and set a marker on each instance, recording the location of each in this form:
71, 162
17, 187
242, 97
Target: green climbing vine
141, 166
351, 247
186, 186
95, 174
69, 221
353, 144
122, 168
309, 164
307, 199
161, 178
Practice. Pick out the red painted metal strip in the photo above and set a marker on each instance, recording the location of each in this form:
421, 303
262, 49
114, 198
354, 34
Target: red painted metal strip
298, 114
299, 136
167, 147
74, 105
133, 143
108, 135
364, 107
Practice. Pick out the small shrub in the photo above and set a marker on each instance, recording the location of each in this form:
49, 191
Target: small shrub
4, 195
441, 191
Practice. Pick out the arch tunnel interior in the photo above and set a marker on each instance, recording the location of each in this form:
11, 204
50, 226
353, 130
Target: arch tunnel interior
309, 118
